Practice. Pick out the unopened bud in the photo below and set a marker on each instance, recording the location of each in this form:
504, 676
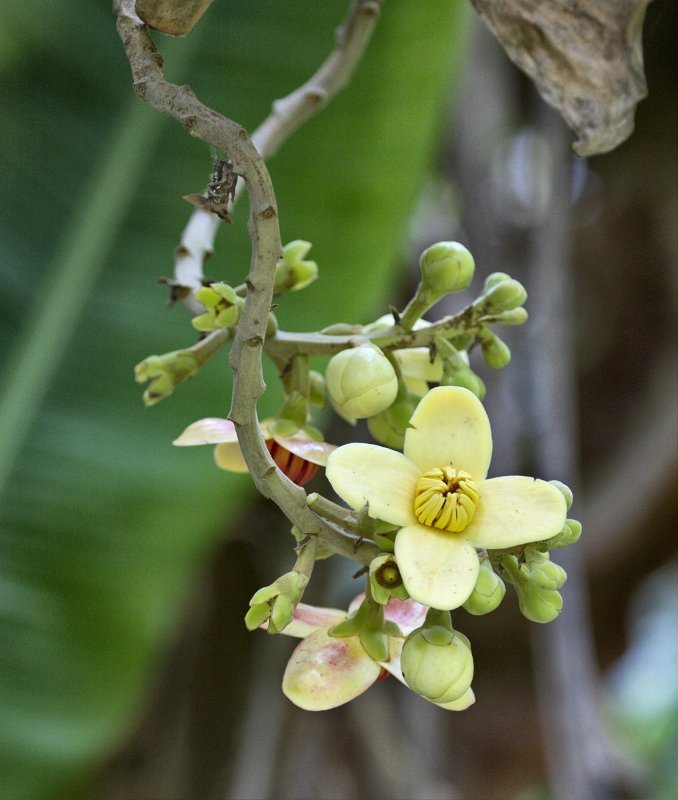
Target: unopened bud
361, 382
539, 605
503, 296
389, 426
565, 491
542, 572
437, 663
495, 352
276, 602
222, 307
293, 272
488, 592
467, 379
317, 389
446, 267
164, 373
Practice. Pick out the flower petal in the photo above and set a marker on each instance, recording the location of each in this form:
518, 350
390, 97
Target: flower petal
382, 478
516, 510
416, 363
438, 569
325, 671
450, 427
308, 619
229, 457
303, 446
407, 614
211, 430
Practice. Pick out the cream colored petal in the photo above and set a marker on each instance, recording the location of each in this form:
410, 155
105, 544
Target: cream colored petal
450, 427
303, 446
308, 619
228, 456
416, 386
325, 672
416, 363
516, 510
211, 430
438, 569
382, 478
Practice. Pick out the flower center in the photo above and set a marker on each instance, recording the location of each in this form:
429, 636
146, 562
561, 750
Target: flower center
446, 498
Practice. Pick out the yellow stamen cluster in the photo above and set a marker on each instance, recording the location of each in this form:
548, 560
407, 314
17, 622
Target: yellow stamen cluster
446, 498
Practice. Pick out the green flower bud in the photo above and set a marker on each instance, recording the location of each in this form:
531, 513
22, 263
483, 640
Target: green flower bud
493, 279
565, 491
292, 272
495, 351
446, 267
385, 580
503, 296
516, 316
317, 389
361, 382
389, 426
276, 602
222, 306
542, 572
165, 372
569, 535
467, 379
257, 615
539, 605
437, 663
488, 592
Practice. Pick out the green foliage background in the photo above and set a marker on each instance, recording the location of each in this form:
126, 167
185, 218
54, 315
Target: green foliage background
103, 524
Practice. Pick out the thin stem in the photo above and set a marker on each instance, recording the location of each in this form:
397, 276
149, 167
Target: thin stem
306, 553
287, 115
334, 513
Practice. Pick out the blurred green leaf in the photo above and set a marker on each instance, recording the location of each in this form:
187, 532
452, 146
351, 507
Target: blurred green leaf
103, 523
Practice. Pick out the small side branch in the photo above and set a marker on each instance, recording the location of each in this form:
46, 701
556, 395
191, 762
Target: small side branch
287, 115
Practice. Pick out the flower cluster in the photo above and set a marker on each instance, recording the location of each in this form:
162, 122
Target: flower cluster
442, 535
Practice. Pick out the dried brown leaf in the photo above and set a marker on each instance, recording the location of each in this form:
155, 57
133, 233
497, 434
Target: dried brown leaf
173, 17
585, 58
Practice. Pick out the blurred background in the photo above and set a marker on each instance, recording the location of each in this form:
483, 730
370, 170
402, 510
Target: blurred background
126, 565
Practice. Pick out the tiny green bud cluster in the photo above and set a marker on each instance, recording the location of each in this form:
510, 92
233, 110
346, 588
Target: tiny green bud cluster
292, 271
536, 581
222, 307
361, 382
276, 603
164, 373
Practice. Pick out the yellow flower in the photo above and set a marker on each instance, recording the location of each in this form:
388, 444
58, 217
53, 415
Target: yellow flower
297, 455
437, 492
327, 671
